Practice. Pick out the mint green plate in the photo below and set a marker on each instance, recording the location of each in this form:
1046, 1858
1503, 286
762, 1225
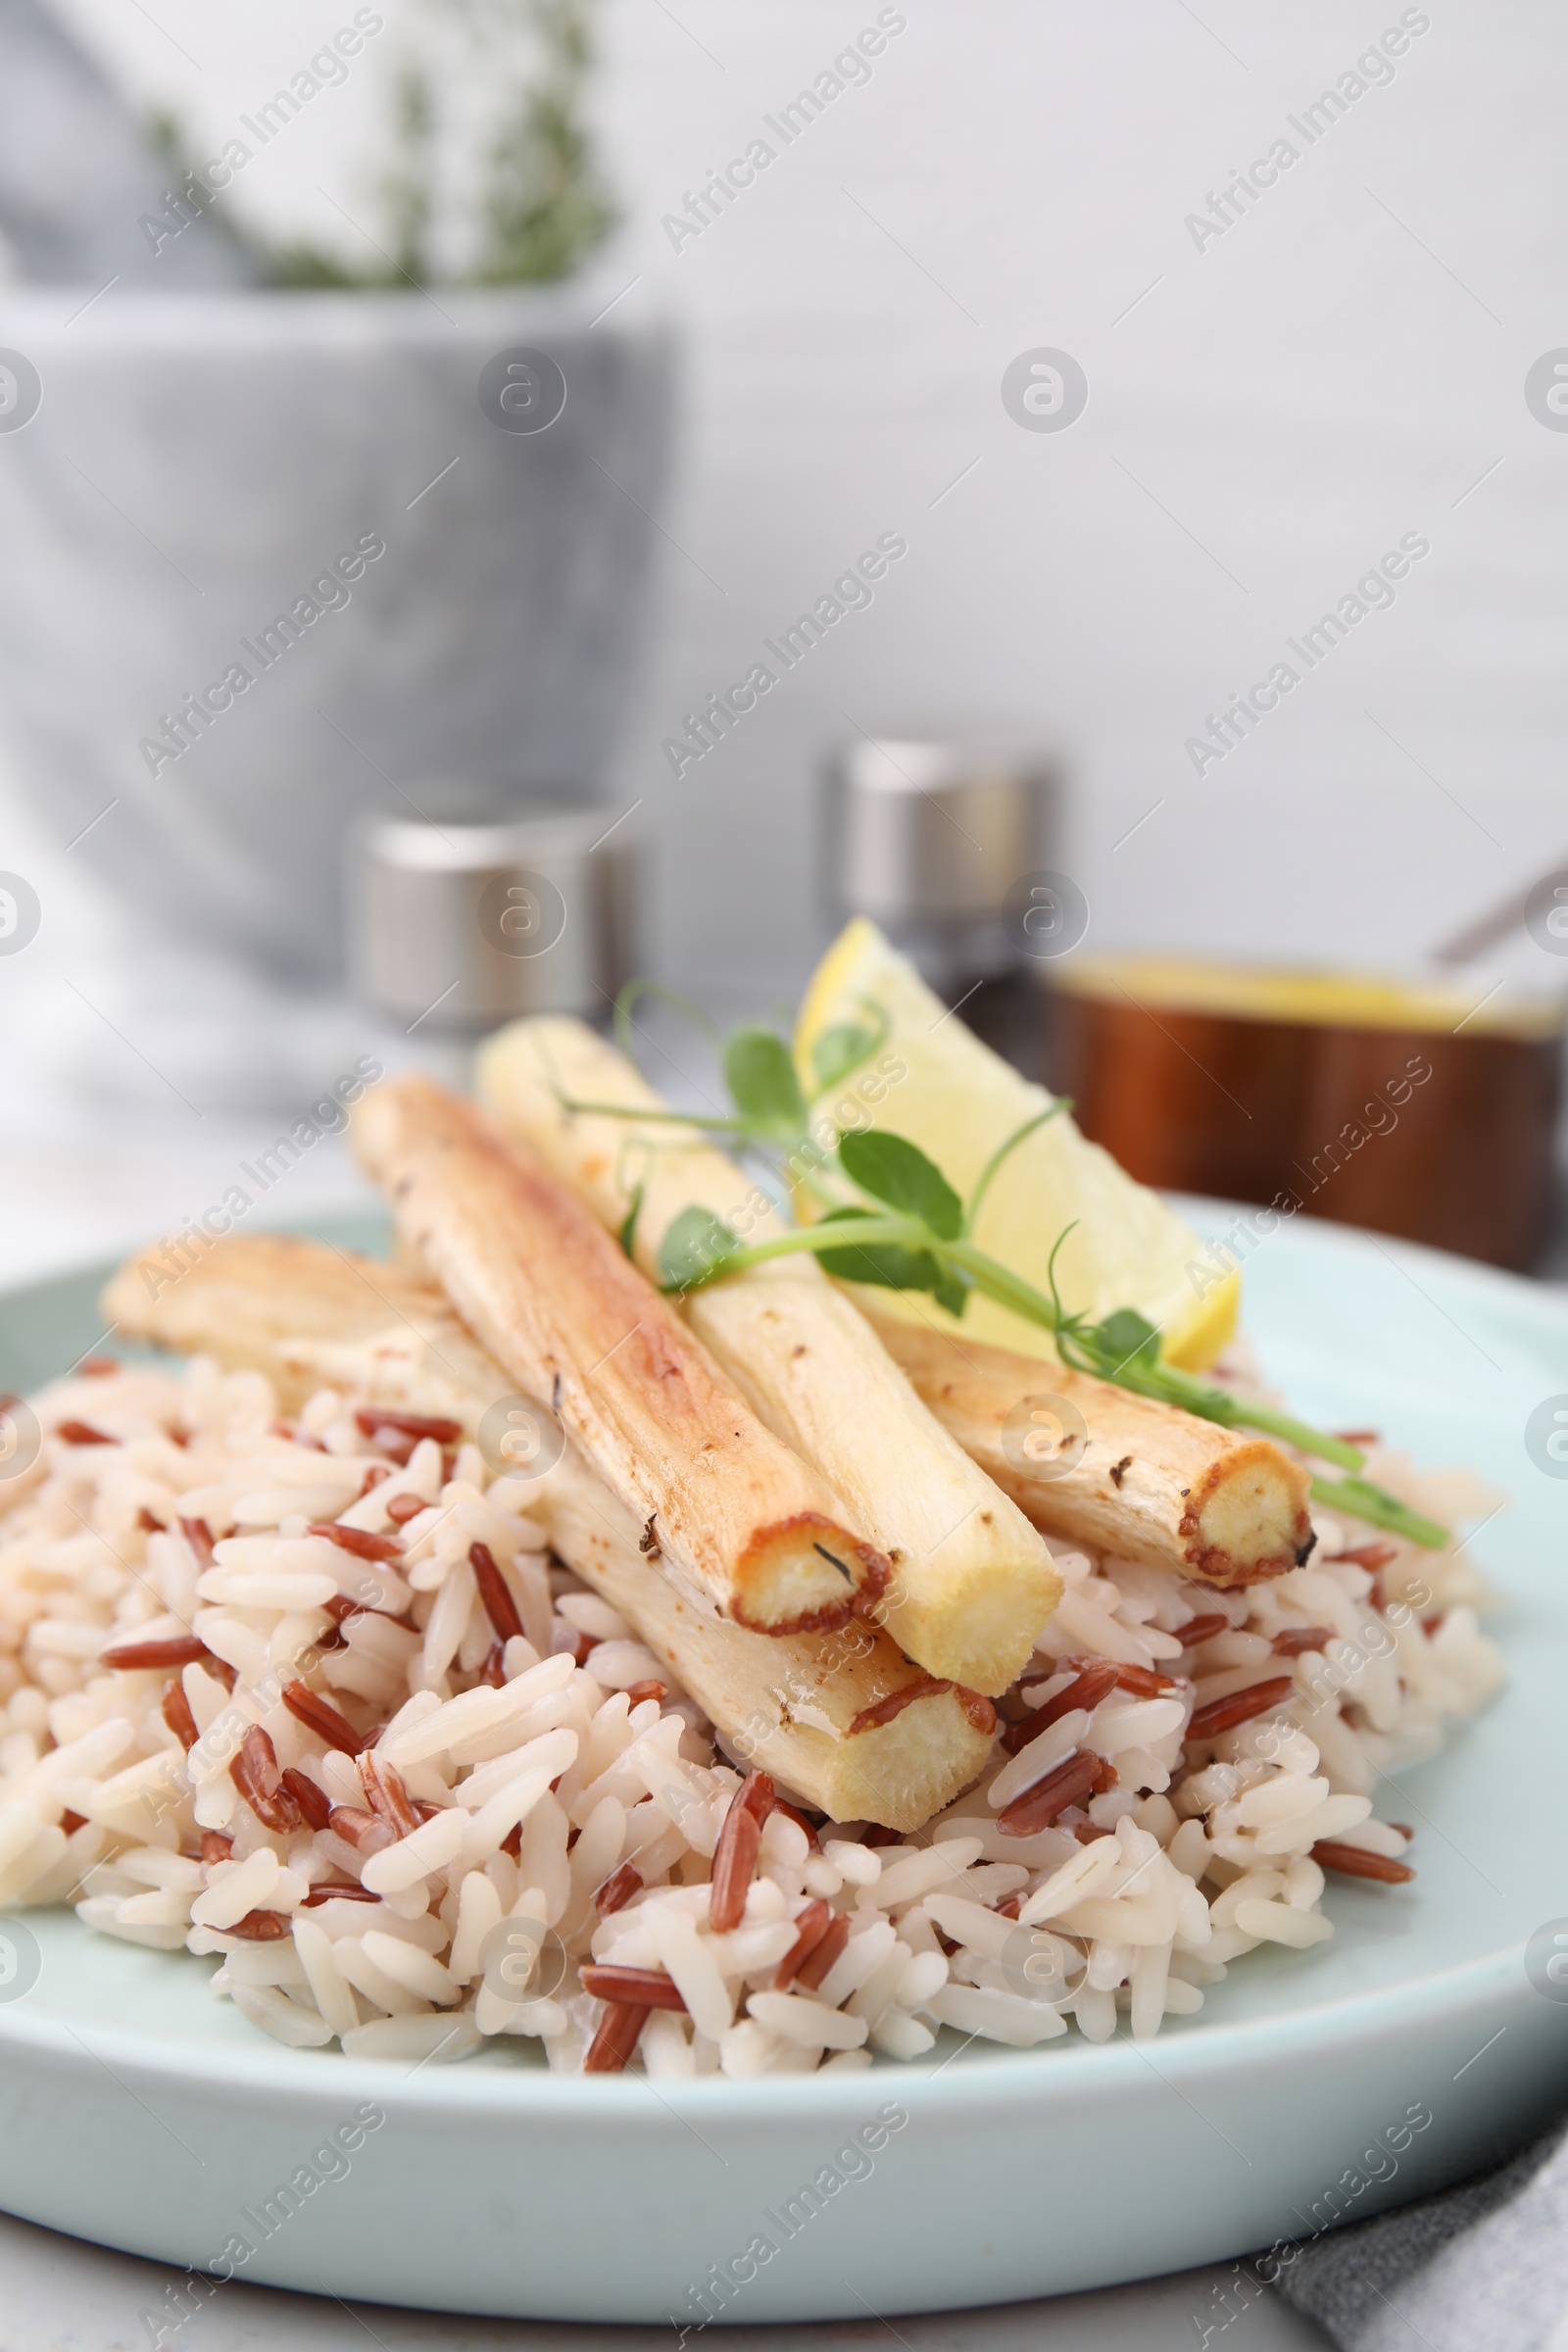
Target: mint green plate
137, 2111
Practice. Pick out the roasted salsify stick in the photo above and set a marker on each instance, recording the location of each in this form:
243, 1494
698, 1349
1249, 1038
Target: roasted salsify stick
748, 1526
842, 1719
972, 1580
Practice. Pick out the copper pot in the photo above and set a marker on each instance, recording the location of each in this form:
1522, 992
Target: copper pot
1414, 1110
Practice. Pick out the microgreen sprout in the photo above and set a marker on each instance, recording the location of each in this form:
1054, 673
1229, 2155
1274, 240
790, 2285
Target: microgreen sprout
911, 1231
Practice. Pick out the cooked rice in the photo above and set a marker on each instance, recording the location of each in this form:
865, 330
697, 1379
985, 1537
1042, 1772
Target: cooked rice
539, 1799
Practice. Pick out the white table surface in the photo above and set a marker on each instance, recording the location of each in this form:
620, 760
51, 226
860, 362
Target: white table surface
60, 2295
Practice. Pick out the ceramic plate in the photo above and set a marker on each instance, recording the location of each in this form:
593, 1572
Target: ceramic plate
137, 2111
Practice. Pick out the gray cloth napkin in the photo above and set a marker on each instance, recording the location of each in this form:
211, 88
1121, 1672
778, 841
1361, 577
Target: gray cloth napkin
1481, 2267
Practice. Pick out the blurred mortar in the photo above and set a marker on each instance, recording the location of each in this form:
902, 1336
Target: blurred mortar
949, 848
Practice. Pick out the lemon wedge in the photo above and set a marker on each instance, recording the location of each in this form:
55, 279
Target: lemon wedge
951, 1095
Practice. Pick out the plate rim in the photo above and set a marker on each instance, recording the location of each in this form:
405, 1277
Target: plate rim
1009, 2078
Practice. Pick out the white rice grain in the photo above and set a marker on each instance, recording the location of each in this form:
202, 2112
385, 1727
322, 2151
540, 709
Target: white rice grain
99, 1805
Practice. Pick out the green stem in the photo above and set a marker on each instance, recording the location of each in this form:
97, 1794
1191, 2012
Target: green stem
1166, 1384
843, 1234
884, 1030
1363, 1500
822, 1194
626, 1003
666, 1118
1009, 1144
998, 1282
1210, 1405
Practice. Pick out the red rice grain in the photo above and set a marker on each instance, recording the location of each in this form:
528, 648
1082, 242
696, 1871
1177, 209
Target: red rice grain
619, 1889
617, 2037
320, 1716
632, 1987
70, 1822
216, 1846
181, 1649
358, 1540
176, 1712
638, 1691
1037, 1808
1370, 1556
370, 1418
1095, 1680
82, 1433
366, 1832
262, 1926
980, 1710
892, 1703
499, 1605
809, 1930
817, 1962
328, 1892
199, 1536
493, 1669
1203, 1629
1298, 1639
386, 1793
1224, 1714
1140, 1680
1354, 1862
735, 1855
342, 1606
254, 1774
404, 1508
312, 1801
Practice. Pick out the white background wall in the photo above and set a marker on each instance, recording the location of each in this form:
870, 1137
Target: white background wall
1266, 416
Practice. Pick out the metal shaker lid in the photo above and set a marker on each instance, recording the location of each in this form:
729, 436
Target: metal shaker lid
454, 926
936, 833
929, 838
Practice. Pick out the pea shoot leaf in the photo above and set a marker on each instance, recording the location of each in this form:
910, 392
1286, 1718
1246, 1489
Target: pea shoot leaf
694, 1242
627, 1235
951, 1292
887, 1264
892, 1169
1127, 1338
839, 1051
759, 1072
